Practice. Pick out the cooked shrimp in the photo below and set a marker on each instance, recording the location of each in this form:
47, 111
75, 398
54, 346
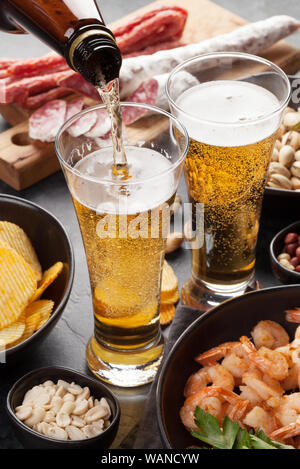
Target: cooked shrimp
209, 399
216, 375
269, 361
289, 431
237, 412
269, 334
293, 315
292, 379
289, 409
249, 394
210, 357
235, 365
260, 418
262, 385
286, 351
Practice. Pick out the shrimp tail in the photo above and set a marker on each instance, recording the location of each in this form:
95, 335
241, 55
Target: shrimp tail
293, 315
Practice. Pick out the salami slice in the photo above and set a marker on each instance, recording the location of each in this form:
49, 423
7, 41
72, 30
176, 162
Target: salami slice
102, 126
252, 38
161, 24
152, 91
6, 62
46, 121
146, 93
32, 85
34, 102
75, 82
73, 107
157, 47
46, 64
83, 124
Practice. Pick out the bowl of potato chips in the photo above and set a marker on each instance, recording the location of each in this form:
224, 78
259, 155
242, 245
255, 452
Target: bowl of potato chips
36, 274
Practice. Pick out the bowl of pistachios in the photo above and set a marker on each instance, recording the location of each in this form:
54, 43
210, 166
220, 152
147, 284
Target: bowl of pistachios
283, 177
285, 254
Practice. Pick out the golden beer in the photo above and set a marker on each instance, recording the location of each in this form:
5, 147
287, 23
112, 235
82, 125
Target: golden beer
124, 230
225, 170
123, 212
229, 182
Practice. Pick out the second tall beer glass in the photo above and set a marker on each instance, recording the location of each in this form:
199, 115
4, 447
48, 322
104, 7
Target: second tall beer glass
232, 114
124, 222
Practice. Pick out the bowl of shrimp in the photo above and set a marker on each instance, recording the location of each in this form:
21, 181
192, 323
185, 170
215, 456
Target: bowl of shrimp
240, 359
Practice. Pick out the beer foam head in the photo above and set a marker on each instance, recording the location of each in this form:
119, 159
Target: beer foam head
225, 113
147, 188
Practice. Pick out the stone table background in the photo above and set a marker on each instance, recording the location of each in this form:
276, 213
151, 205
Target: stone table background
66, 344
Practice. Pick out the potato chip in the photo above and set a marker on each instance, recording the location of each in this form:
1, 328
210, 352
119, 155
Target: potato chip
169, 284
48, 277
13, 332
17, 285
17, 239
44, 307
167, 313
171, 298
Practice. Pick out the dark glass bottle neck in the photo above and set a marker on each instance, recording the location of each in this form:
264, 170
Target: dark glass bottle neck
93, 52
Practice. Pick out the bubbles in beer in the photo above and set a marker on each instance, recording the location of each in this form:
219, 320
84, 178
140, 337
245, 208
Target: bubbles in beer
225, 172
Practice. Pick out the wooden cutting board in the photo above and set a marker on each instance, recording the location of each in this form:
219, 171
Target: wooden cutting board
24, 162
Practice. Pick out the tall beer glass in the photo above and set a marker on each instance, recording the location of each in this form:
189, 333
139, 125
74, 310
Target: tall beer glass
232, 112
124, 222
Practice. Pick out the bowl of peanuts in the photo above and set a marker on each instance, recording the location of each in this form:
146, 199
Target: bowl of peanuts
205, 348
285, 254
56, 407
283, 177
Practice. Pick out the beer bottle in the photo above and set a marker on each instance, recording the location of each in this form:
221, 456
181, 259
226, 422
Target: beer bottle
74, 28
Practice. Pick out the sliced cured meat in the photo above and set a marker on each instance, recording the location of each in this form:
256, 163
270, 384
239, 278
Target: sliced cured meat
3, 73
73, 107
152, 49
46, 121
146, 93
152, 91
46, 64
6, 62
34, 102
252, 38
83, 124
102, 126
32, 85
161, 24
75, 82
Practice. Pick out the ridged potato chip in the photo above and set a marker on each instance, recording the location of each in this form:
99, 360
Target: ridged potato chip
10, 334
17, 285
167, 313
44, 307
17, 239
48, 277
170, 298
169, 283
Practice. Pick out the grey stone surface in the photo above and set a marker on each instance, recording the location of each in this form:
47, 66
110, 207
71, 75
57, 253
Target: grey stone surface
66, 344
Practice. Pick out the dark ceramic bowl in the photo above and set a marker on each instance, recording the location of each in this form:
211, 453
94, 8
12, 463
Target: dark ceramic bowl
228, 321
285, 275
52, 244
34, 440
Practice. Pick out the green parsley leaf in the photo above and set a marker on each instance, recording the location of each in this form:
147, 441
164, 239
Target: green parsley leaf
230, 435
243, 440
230, 431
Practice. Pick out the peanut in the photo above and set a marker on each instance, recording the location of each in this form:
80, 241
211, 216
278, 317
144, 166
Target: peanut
286, 155
64, 411
174, 241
